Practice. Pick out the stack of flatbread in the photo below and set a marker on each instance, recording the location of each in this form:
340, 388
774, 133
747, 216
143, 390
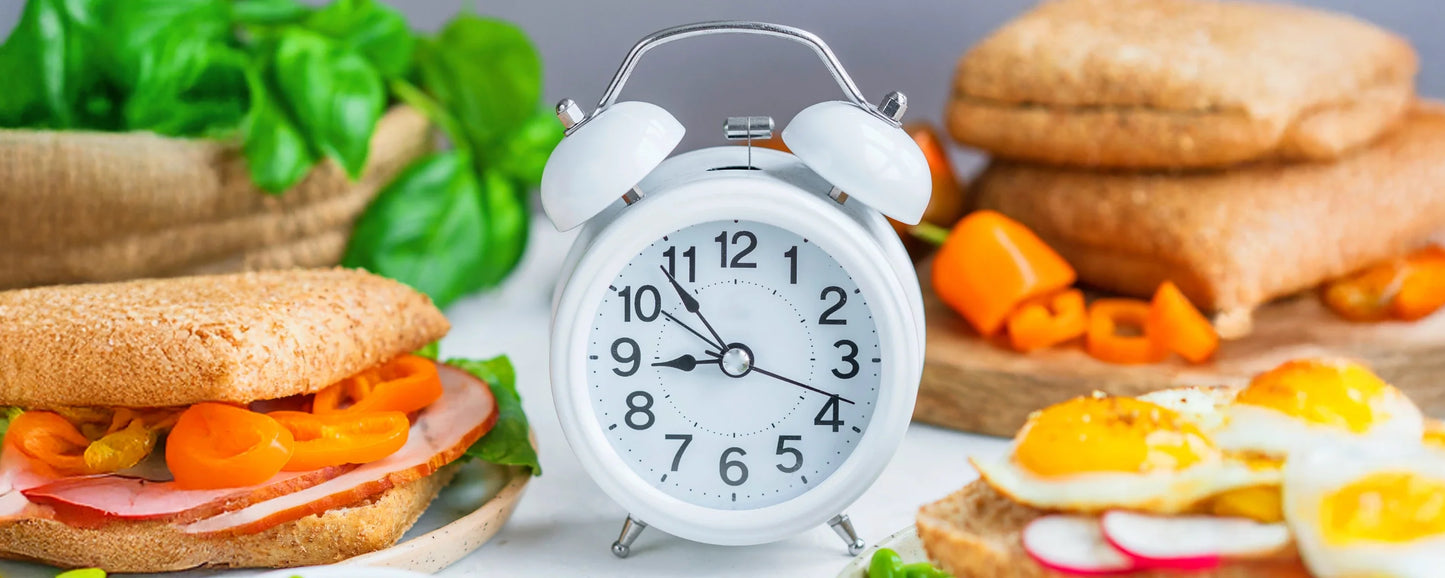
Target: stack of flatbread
1243, 151
80, 207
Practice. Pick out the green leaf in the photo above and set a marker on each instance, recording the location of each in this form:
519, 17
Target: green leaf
487, 74
268, 12
429, 351
49, 64
6, 415
426, 229
277, 153
507, 222
163, 41
336, 95
189, 86
523, 153
376, 31
509, 443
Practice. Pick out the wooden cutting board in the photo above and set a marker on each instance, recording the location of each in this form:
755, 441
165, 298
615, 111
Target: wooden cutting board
973, 385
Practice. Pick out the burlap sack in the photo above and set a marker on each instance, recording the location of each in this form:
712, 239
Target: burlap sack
83, 207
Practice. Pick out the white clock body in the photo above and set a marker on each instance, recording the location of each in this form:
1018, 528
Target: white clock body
820, 296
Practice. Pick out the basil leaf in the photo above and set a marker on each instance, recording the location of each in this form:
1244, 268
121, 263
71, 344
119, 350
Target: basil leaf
149, 40
487, 74
426, 229
509, 443
268, 12
507, 217
7, 414
277, 154
429, 351
189, 86
49, 66
375, 31
334, 93
523, 154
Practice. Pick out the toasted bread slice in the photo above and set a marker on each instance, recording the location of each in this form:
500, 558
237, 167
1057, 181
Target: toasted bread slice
327, 538
975, 533
1179, 83
1234, 239
230, 338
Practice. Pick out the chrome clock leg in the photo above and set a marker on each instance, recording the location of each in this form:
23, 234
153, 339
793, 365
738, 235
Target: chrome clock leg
631, 529
844, 528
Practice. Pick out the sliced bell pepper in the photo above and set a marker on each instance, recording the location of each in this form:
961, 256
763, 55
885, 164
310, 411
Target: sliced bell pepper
989, 264
1366, 295
405, 384
50, 439
215, 445
1048, 321
342, 438
1104, 341
1179, 326
1423, 291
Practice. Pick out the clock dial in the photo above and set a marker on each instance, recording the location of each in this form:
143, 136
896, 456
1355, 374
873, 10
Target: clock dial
733, 364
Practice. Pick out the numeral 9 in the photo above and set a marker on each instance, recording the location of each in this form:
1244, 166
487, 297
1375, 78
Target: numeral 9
633, 356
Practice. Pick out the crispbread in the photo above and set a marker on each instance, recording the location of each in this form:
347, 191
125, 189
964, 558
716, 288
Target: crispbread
159, 547
236, 338
1179, 83
975, 533
1236, 238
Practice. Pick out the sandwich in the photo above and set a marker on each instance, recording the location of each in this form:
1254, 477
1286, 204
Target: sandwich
270, 419
1316, 468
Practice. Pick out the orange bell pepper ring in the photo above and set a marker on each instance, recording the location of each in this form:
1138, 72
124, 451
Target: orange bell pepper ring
1104, 342
1179, 326
1047, 322
214, 445
1366, 295
989, 264
342, 438
405, 384
50, 439
1423, 290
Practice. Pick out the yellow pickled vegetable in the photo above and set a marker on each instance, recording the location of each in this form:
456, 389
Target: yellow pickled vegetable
121, 449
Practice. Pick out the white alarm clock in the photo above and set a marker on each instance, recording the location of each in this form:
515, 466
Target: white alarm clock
737, 337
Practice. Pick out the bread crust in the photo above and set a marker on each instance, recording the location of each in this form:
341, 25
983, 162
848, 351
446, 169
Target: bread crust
326, 538
230, 338
1236, 238
1179, 83
975, 533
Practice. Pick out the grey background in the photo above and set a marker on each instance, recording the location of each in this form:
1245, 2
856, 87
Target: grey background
908, 45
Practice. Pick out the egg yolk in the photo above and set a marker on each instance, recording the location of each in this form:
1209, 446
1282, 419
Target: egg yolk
1108, 434
1384, 507
1434, 434
1258, 503
1325, 392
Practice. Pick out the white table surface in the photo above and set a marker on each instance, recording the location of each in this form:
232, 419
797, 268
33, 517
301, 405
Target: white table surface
565, 524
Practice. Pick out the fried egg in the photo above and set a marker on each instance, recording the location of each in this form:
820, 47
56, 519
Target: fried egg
1367, 510
1096, 453
1309, 402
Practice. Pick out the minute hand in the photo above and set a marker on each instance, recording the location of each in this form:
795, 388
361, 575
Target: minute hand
800, 384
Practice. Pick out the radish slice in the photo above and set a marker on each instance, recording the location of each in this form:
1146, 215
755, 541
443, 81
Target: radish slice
1190, 542
1073, 545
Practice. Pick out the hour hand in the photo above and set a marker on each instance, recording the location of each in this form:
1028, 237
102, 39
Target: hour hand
686, 362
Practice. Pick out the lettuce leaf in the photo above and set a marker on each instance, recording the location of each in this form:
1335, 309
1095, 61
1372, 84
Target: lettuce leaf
7, 414
429, 351
509, 443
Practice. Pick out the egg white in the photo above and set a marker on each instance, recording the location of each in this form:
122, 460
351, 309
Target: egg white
1161, 492
1202, 406
1312, 473
1251, 428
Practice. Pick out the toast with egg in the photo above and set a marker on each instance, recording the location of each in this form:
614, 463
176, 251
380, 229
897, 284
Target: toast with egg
976, 533
269, 419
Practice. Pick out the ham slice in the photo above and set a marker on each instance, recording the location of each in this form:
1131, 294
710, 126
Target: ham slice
91, 500
442, 433
19, 473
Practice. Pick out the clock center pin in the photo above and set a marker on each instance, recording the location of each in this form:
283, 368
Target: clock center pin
737, 360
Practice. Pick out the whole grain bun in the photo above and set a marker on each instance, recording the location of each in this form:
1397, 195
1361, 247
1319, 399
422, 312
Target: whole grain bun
1236, 238
975, 533
232, 338
1179, 83
161, 547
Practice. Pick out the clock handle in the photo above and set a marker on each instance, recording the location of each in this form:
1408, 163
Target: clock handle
799, 35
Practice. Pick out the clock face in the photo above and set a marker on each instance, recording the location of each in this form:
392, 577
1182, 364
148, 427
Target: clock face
733, 364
